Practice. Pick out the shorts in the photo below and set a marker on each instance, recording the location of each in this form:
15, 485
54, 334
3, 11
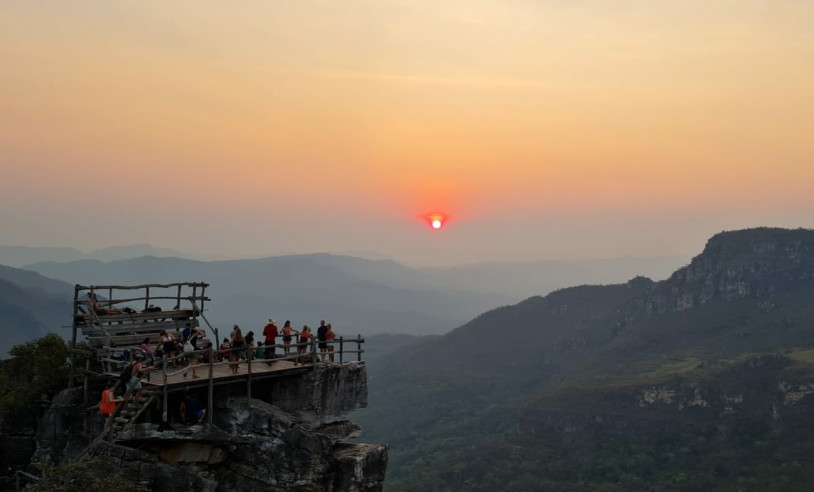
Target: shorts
286, 339
134, 384
169, 347
322, 345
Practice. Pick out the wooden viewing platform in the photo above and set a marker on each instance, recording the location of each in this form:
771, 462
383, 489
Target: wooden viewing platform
114, 328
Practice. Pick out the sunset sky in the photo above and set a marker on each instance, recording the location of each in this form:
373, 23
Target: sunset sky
544, 129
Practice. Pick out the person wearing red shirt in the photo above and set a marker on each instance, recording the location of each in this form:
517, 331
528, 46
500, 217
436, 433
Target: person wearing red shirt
107, 406
270, 332
305, 336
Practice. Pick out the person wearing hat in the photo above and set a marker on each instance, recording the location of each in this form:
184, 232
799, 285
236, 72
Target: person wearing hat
270, 332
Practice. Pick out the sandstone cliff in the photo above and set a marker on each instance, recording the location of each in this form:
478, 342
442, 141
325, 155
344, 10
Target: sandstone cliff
289, 436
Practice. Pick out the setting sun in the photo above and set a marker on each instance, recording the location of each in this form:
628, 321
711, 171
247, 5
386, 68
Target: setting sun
436, 220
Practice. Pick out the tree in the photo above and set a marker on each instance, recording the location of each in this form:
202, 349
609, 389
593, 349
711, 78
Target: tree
36, 369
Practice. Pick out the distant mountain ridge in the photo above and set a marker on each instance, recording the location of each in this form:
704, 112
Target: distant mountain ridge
20, 256
359, 295
303, 288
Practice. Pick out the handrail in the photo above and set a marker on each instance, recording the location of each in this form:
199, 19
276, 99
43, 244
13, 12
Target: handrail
134, 287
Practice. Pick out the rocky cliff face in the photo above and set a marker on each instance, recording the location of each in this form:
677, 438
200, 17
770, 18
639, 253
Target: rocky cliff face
290, 436
752, 263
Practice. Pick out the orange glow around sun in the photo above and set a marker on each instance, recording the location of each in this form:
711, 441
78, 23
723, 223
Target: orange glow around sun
436, 220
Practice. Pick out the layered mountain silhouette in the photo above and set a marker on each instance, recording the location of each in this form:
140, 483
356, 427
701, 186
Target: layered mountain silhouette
726, 341
19, 256
31, 306
359, 296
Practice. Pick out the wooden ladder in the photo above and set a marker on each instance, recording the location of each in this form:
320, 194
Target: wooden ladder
130, 412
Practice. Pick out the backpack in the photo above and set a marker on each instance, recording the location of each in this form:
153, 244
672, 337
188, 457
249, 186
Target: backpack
125, 375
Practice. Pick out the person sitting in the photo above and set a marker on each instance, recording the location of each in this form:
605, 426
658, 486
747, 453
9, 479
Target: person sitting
94, 304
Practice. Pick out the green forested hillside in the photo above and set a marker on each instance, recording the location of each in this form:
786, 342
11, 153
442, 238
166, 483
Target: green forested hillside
703, 381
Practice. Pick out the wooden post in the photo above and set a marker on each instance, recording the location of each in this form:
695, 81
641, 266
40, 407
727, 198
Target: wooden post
146, 297
73, 340
178, 298
341, 349
210, 408
249, 365
314, 356
85, 387
164, 403
359, 348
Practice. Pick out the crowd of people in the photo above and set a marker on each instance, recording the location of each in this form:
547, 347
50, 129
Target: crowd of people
234, 348
239, 346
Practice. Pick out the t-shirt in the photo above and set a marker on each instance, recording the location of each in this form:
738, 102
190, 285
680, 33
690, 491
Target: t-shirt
107, 407
270, 332
321, 333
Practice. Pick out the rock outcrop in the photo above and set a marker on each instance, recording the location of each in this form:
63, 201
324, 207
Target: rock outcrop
289, 436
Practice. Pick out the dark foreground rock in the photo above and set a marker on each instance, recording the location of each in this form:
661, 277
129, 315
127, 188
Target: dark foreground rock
253, 445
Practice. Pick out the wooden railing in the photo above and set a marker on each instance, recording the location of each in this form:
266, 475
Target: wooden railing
196, 297
307, 357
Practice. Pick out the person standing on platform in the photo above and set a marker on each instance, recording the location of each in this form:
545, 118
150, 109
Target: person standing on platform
323, 347
270, 332
238, 344
185, 333
167, 342
329, 341
287, 331
193, 356
305, 337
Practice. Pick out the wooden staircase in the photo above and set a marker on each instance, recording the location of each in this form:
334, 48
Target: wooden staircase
130, 411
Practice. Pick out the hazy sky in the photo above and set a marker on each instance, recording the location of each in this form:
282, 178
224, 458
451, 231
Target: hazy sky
543, 128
